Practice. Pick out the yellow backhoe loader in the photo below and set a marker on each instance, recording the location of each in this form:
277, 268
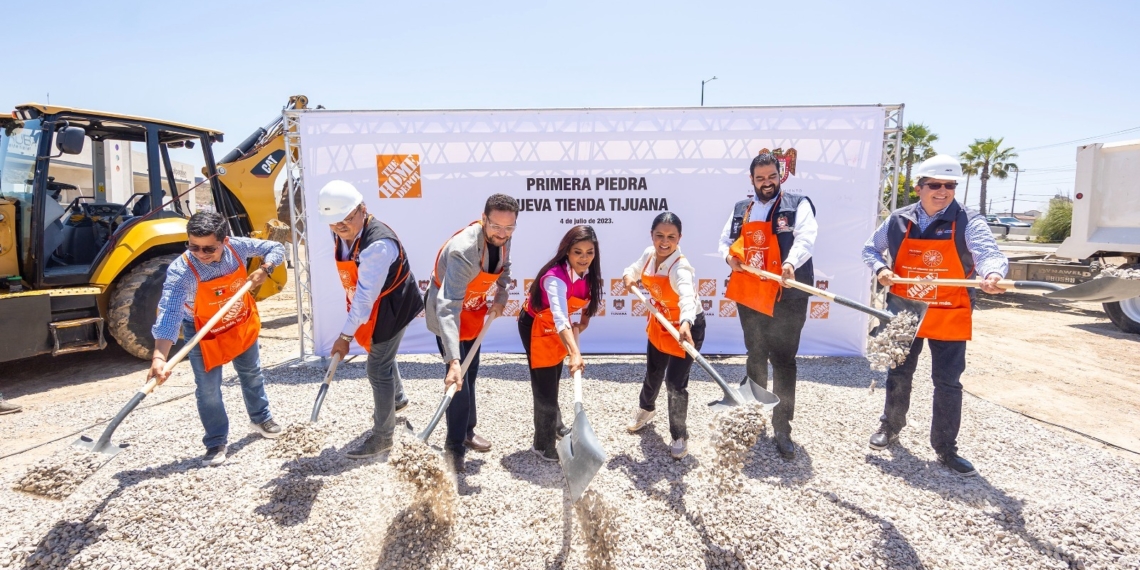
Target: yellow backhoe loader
93, 209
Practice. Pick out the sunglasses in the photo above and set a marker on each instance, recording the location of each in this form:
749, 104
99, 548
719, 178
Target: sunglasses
206, 249
939, 185
343, 224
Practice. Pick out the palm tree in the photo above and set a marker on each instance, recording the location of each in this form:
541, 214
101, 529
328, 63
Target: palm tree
916, 147
970, 167
995, 162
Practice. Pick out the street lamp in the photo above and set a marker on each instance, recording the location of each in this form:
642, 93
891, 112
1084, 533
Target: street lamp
1013, 206
703, 89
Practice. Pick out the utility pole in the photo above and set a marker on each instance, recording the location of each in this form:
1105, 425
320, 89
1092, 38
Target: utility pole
703, 89
1013, 207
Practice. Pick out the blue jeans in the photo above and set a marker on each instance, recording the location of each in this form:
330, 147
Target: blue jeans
211, 409
387, 387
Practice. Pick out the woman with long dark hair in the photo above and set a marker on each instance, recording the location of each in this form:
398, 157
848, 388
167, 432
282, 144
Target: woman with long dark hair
671, 282
570, 282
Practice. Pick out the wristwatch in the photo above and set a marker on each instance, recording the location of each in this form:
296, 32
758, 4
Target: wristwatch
267, 267
346, 337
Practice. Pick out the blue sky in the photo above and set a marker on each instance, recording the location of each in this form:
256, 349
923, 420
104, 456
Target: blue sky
1036, 73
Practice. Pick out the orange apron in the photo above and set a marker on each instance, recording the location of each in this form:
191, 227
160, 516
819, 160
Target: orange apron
237, 331
546, 348
349, 272
950, 316
669, 303
475, 299
756, 246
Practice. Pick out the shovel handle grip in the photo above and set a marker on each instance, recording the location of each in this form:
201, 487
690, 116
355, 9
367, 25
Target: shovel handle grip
332, 369
690, 349
849, 303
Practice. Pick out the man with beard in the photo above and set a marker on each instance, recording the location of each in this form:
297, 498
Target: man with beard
469, 265
776, 232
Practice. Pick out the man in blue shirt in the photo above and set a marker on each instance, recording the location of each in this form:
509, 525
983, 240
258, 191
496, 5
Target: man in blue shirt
197, 284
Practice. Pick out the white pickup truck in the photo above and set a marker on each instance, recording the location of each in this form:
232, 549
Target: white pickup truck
1106, 217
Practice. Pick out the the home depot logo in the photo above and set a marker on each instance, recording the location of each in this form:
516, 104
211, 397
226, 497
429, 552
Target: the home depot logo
526, 285
638, 309
601, 309
727, 308
921, 290
398, 175
618, 288
706, 287
512, 308
819, 309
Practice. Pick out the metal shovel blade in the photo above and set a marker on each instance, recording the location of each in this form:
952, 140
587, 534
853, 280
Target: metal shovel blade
106, 448
744, 393
580, 454
1099, 290
896, 305
317, 404
103, 444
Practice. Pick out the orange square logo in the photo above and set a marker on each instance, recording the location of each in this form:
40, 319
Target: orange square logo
727, 308
819, 309
512, 308
618, 288
526, 286
638, 309
706, 287
601, 309
398, 175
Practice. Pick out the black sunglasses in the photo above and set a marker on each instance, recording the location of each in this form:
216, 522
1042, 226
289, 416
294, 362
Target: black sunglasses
939, 185
206, 249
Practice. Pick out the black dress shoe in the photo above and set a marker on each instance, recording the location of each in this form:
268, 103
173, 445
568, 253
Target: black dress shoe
785, 446
957, 464
883, 438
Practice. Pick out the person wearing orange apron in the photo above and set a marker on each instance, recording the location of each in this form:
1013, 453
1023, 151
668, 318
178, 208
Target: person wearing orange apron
774, 231
671, 283
198, 283
934, 239
472, 267
382, 298
570, 282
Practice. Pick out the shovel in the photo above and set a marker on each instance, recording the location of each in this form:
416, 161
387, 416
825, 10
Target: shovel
451, 390
580, 453
103, 444
324, 388
1099, 290
746, 392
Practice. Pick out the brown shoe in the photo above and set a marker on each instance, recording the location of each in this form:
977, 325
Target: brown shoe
477, 443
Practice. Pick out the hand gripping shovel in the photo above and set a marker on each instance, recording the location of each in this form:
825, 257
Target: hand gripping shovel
324, 388
580, 453
746, 392
103, 444
451, 390
1099, 290
895, 304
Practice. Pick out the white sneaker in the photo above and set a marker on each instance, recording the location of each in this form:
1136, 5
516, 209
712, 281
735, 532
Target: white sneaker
679, 448
640, 419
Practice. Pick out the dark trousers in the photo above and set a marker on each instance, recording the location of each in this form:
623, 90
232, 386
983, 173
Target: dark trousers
947, 362
461, 411
674, 371
775, 339
544, 389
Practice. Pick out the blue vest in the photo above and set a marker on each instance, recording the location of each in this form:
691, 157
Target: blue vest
938, 229
789, 203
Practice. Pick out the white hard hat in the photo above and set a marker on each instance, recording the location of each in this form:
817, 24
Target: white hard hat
941, 167
336, 201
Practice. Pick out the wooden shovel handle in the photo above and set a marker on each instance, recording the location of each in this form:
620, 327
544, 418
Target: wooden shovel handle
1004, 283
202, 332
791, 282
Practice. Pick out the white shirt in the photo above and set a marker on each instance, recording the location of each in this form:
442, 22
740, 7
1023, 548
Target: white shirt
371, 275
681, 277
804, 233
559, 297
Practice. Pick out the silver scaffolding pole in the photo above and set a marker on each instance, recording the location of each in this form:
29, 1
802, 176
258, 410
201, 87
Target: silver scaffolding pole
892, 156
295, 175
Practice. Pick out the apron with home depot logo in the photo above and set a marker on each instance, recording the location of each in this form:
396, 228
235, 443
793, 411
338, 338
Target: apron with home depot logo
237, 330
950, 315
669, 303
475, 298
546, 348
756, 246
349, 271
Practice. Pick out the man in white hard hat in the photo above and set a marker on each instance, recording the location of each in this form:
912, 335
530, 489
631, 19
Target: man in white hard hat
935, 238
382, 298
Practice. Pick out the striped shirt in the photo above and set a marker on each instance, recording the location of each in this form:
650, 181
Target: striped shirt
988, 259
181, 286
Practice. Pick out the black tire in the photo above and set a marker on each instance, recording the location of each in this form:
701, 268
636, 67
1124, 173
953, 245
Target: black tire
1120, 318
134, 306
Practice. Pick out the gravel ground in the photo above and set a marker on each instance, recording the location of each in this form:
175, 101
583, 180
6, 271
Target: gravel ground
1041, 501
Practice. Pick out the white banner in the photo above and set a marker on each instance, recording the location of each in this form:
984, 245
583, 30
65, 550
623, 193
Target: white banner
427, 174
